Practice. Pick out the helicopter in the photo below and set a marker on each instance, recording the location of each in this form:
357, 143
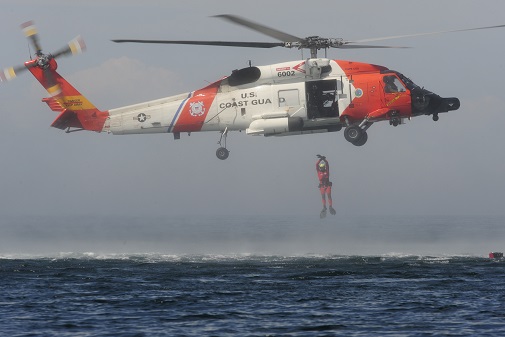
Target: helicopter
308, 96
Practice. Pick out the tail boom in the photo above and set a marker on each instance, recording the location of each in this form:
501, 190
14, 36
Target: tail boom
75, 109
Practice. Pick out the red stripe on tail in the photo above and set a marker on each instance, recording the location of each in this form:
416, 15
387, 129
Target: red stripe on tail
75, 110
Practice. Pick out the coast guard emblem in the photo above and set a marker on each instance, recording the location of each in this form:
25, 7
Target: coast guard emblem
196, 108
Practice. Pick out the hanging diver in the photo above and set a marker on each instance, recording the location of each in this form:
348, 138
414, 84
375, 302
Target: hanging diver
323, 174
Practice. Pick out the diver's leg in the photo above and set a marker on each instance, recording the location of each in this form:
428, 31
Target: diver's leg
323, 199
330, 200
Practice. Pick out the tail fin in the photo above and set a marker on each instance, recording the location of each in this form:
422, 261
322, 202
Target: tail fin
75, 109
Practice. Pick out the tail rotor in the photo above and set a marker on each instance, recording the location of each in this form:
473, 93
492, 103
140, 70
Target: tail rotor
41, 60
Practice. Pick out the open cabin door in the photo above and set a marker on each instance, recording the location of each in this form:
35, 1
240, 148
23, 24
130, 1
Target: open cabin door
323, 98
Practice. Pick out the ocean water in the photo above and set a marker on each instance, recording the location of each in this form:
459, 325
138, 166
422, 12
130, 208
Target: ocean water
252, 276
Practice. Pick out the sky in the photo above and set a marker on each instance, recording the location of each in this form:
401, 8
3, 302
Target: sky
452, 167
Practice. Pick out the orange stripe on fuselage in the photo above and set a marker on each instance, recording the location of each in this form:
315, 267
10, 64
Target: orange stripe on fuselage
196, 108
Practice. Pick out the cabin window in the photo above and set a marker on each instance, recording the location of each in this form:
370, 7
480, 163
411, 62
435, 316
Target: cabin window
289, 98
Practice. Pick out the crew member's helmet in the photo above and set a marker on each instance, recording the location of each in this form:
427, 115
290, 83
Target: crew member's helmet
322, 166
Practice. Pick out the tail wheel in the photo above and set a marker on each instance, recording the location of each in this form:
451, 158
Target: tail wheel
222, 153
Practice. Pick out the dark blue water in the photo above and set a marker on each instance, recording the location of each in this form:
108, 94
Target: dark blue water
76, 293
252, 296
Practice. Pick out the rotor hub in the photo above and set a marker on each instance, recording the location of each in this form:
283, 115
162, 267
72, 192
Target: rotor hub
43, 61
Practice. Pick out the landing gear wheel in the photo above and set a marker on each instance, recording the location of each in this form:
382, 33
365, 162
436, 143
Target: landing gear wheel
435, 117
222, 153
353, 133
362, 140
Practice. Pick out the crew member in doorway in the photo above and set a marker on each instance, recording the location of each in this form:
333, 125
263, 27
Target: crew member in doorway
323, 173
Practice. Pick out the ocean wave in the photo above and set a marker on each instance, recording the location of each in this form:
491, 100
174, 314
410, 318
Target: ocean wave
160, 257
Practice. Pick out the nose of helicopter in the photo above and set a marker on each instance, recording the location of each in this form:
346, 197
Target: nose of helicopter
425, 102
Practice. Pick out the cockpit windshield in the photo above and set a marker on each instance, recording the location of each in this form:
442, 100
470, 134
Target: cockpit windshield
407, 81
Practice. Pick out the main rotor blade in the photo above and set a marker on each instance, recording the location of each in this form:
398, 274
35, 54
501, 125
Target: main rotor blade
364, 46
421, 34
276, 34
30, 32
209, 43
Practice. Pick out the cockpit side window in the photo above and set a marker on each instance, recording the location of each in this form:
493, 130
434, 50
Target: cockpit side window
392, 84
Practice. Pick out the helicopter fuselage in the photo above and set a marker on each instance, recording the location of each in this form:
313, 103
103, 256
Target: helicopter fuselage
290, 98
316, 95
